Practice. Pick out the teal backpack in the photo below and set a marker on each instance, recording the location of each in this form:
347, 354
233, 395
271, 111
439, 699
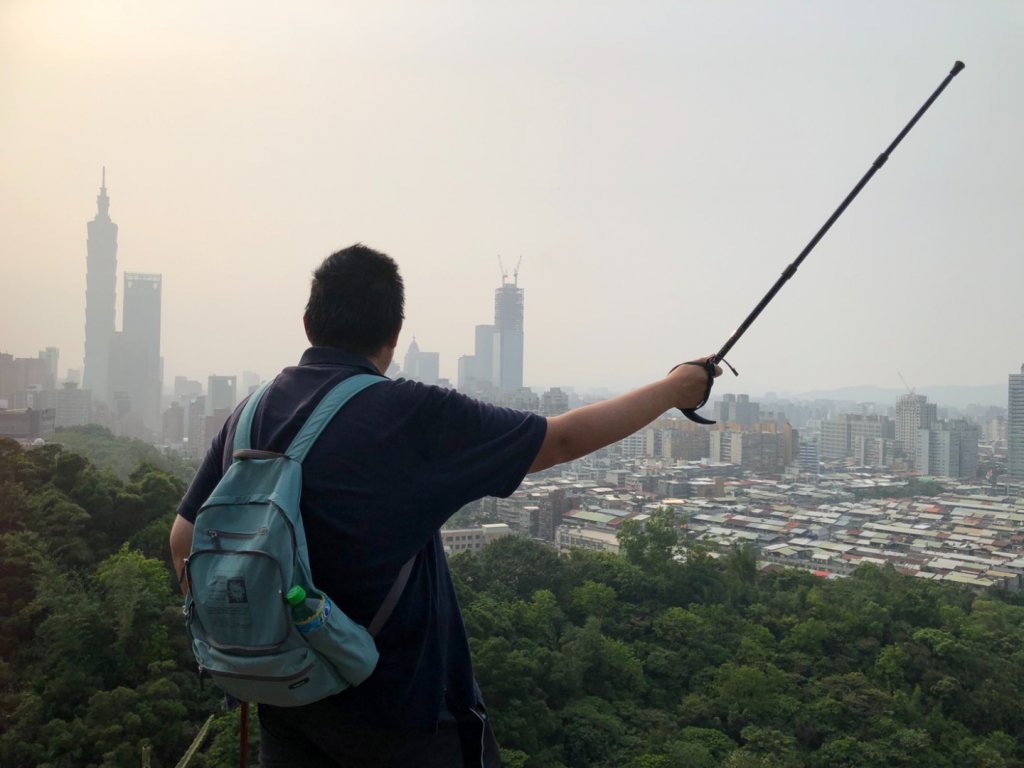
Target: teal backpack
248, 551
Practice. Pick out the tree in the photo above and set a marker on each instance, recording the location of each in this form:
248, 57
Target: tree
512, 567
591, 733
139, 606
650, 544
62, 525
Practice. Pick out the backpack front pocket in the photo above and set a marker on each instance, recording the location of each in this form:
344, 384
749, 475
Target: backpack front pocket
239, 599
291, 678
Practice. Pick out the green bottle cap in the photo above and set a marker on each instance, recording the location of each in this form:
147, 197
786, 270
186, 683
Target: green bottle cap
295, 595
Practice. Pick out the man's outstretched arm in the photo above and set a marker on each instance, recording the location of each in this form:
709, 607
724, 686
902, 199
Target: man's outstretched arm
583, 430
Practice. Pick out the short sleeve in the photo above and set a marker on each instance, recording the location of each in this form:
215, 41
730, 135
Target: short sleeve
473, 449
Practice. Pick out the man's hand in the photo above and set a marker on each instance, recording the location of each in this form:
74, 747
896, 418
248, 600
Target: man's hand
181, 545
690, 382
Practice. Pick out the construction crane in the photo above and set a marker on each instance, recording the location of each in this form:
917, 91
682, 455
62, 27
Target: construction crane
910, 389
504, 272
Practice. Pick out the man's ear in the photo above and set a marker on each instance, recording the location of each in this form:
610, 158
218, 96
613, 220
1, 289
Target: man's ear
393, 343
305, 324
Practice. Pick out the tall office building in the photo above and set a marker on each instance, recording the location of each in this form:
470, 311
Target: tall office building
196, 427
141, 343
476, 371
221, 394
913, 413
421, 366
100, 297
508, 335
1015, 425
174, 424
737, 409
52, 357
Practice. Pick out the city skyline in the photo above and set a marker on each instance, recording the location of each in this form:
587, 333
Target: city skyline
501, 343
655, 168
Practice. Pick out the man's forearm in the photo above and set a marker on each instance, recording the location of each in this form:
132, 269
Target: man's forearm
584, 430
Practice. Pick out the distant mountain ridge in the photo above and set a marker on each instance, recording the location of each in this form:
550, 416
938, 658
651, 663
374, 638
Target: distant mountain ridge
942, 395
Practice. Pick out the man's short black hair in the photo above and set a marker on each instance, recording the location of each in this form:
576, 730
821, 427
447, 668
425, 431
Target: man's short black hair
356, 302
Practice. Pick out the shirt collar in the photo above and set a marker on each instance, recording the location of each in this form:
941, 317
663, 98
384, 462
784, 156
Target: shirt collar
335, 356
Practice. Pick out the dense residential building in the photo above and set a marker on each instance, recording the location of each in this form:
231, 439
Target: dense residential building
27, 424
100, 297
522, 399
867, 438
820, 525
553, 402
1015, 425
809, 457
21, 375
913, 413
582, 537
834, 438
948, 449
679, 439
456, 540
754, 451
633, 447
71, 405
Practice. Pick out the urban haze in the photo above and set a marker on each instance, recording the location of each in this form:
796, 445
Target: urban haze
652, 170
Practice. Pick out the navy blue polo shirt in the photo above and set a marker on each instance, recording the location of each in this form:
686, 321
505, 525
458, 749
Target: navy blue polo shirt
395, 463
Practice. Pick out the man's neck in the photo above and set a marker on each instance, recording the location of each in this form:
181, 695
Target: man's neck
382, 360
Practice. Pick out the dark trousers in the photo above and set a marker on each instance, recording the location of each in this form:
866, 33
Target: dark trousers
315, 736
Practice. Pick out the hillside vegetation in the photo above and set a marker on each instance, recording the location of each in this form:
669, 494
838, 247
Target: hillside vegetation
586, 660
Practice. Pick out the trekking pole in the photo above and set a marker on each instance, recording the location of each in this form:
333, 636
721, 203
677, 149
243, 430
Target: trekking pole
719, 357
243, 735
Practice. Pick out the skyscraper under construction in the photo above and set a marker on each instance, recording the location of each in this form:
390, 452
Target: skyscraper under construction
508, 334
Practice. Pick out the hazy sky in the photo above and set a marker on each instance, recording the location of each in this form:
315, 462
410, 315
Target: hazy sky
656, 165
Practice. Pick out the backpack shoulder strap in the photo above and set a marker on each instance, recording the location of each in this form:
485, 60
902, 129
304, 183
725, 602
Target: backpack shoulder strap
243, 429
384, 612
325, 411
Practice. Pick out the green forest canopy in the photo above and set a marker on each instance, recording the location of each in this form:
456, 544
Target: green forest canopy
585, 659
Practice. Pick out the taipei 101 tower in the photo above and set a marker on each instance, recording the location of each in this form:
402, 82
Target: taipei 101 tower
100, 297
